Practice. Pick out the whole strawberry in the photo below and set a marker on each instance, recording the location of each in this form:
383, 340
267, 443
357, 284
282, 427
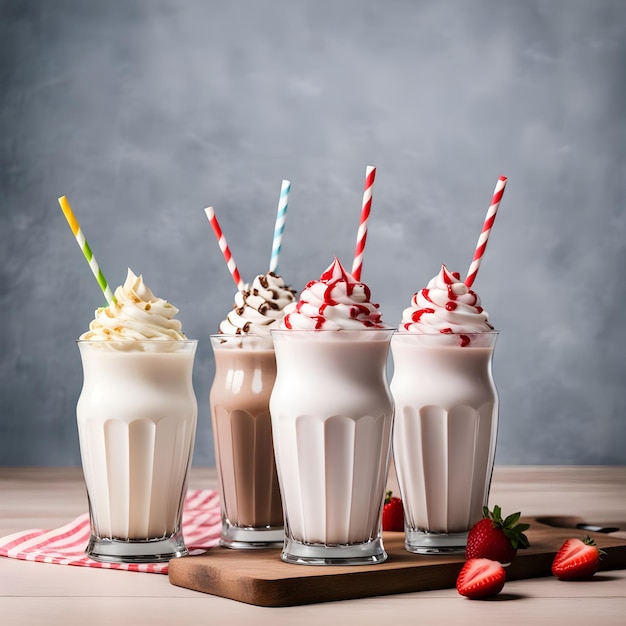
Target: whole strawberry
393, 513
576, 559
480, 578
496, 539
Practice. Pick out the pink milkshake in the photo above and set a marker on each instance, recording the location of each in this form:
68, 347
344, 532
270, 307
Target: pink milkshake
446, 413
331, 419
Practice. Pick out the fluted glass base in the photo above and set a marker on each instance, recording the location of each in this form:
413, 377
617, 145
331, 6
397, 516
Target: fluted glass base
421, 542
250, 538
136, 551
368, 553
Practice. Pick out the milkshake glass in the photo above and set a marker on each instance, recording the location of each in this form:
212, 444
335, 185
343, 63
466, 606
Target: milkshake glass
331, 419
136, 417
245, 371
444, 437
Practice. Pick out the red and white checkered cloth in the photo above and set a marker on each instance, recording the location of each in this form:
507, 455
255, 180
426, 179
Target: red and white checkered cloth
202, 523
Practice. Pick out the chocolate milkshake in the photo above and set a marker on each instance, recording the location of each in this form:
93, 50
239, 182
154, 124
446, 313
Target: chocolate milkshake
242, 430
245, 371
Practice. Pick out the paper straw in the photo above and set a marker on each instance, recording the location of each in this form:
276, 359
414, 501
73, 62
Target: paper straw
84, 246
357, 265
279, 227
484, 235
221, 240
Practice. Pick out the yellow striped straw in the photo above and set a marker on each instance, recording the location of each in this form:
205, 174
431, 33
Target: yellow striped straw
84, 246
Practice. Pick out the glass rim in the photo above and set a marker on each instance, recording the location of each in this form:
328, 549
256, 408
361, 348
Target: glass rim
456, 333
237, 336
130, 342
365, 329
231, 341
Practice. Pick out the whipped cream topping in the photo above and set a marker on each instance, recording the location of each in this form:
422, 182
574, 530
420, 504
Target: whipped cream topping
138, 315
446, 306
337, 301
258, 306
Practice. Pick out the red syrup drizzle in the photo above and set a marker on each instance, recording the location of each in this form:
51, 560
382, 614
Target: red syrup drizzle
358, 309
448, 276
319, 322
327, 299
331, 279
450, 279
416, 316
464, 340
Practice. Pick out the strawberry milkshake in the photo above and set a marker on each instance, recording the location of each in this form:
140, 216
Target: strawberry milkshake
331, 420
245, 371
136, 422
446, 413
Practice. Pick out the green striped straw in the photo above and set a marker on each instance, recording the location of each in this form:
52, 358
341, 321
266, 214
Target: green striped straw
84, 246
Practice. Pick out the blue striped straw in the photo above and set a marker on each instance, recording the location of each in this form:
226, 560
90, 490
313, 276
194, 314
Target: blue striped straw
279, 228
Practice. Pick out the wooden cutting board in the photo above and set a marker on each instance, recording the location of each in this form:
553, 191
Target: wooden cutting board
259, 577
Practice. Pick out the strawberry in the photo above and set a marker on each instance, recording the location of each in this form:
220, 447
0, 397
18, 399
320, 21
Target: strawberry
480, 578
393, 513
496, 539
576, 559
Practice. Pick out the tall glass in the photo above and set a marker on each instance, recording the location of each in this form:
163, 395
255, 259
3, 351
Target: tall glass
331, 418
444, 438
137, 415
245, 370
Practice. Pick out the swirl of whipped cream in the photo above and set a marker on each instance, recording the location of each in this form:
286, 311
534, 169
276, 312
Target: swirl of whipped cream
138, 315
337, 301
258, 306
446, 306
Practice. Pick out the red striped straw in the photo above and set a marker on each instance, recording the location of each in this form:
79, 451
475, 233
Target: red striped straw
221, 240
484, 234
361, 238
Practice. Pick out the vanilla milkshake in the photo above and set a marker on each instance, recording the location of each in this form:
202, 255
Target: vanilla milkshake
331, 419
446, 413
136, 417
245, 371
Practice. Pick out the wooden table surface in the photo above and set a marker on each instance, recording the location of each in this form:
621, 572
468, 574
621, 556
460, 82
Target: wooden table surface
37, 593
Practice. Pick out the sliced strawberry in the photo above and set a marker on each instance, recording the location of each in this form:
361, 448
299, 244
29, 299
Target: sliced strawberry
393, 513
496, 538
576, 559
480, 578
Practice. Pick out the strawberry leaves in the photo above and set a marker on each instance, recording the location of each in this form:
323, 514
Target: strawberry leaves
510, 526
515, 531
495, 538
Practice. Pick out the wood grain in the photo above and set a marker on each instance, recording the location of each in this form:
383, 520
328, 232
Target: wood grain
261, 578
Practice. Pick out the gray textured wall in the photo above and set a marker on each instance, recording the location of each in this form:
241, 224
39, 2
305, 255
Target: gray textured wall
145, 111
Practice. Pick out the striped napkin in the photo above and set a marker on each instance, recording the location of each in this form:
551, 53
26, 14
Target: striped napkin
202, 523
